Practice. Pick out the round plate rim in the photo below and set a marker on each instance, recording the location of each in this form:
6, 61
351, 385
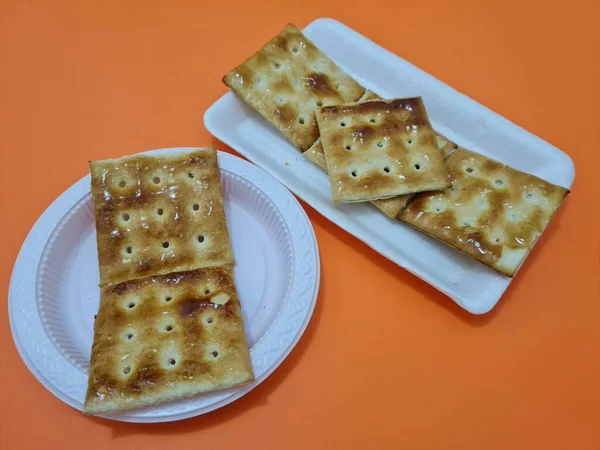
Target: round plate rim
64, 202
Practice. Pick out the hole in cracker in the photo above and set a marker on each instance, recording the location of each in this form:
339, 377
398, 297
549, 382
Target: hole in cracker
319, 103
354, 173
156, 180
169, 328
409, 141
171, 362
380, 144
372, 120
131, 305
165, 244
126, 217
196, 207
301, 120
342, 124
417, 166
210, 319
214, 354
276, 65
386, 169
191, 175
206, 291
200, 238
126, 370
437, 209
168, 298
469, 169
348, 147
160, 211
129, 336
294, 49
497, 240
123, 183
129, 250
498, 182
529, 195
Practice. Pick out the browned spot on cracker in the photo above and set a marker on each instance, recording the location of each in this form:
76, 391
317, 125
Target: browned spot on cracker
190, 306
285, 114
320, 83
283, 86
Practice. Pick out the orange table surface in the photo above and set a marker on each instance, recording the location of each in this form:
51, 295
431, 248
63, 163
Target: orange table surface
387, 361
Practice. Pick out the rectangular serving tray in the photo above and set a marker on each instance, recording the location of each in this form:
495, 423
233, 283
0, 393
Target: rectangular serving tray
473, 286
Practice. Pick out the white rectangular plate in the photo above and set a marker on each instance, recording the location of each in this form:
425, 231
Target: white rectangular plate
469, 283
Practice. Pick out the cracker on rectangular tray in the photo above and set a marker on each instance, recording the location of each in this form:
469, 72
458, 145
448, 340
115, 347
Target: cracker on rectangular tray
287, 79
166, 337
159, 214
380, 149
391, 207
491, 212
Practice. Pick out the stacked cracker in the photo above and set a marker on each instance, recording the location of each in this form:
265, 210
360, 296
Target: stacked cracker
169, 323
387, 153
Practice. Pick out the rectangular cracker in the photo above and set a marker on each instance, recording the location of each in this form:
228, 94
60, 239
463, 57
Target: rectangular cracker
391, 207
159, 214
166, 337
491, 212
380, 149
287, 79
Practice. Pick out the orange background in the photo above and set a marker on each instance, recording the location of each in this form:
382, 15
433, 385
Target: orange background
387, 361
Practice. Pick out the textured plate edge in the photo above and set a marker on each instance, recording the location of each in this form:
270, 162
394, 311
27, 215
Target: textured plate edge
64, 203
60, 202
328, 212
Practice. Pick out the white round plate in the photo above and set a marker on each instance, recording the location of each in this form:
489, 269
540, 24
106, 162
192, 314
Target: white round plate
54, 292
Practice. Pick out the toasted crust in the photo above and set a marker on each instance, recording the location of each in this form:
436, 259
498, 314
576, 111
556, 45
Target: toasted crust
166, 337
159, 214
446, 146
492, 212
391, 207
287, 79
380, 149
